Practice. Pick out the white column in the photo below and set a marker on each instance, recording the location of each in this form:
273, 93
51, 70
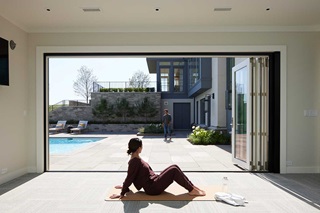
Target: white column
219, 76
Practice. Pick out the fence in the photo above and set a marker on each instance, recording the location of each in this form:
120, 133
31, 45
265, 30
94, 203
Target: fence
64, 103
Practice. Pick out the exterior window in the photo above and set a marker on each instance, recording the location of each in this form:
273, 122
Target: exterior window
194, 71
164, 63
178, 79
165, 79
178, 63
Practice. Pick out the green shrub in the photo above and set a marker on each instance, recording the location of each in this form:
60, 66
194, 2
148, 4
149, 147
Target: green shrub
104, 90
146, 109
151, 128
201, 136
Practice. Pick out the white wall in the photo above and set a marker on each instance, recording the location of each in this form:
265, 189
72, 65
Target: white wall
219, 82
14, 110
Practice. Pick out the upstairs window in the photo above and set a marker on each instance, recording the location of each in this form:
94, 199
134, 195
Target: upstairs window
178, 79
165, 79
194, 71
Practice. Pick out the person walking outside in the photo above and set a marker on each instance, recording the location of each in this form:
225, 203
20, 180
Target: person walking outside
166, 122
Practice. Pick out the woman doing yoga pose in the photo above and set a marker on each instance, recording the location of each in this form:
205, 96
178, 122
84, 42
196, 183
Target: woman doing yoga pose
142, 176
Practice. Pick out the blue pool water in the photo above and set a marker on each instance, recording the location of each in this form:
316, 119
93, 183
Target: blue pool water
66, 145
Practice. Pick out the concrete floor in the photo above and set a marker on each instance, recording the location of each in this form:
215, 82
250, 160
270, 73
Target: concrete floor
79, 191
55, 192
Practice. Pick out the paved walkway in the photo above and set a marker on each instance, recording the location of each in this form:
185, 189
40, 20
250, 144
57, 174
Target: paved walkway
109, 154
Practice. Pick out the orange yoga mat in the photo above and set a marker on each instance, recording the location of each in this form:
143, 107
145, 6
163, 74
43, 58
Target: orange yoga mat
173, 192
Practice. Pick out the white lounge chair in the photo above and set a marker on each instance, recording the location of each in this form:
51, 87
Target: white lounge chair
59, 126
81, 126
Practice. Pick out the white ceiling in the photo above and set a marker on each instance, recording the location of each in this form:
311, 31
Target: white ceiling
174, 15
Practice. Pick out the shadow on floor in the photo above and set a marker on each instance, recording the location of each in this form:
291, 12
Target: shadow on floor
6, 187
306, 187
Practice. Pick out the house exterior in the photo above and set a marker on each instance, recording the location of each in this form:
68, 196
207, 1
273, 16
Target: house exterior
196, 90
180, 80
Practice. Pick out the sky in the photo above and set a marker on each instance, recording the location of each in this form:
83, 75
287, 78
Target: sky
64, 71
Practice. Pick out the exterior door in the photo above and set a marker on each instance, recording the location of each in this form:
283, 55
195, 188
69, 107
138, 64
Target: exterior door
181, 116
250, 114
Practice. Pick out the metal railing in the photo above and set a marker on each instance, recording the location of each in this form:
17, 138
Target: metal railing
122, 86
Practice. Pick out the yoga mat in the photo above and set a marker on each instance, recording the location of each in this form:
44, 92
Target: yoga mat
173, 192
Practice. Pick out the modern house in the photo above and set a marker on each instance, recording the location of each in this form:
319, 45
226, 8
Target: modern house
288, 37
179, 80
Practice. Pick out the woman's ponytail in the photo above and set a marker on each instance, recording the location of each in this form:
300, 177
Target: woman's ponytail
133, 145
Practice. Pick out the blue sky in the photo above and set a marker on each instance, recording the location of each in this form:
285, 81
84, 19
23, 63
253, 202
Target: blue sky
63, 72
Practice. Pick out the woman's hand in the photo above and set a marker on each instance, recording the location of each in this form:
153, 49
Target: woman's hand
118, 187
115, 196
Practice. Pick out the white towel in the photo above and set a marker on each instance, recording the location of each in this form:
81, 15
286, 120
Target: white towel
233, 199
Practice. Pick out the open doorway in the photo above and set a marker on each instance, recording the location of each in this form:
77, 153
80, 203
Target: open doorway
176, 97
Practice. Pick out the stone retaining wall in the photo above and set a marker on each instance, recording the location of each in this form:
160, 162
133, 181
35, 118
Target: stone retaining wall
76, 113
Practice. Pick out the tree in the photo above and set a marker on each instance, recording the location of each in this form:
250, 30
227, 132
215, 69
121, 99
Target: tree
123, 109
103, 110
146, 108
139, 80
84, 83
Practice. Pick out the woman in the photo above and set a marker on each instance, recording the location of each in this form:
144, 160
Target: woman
142, 176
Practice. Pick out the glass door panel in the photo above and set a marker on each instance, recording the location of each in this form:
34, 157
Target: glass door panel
250, 114
241, 114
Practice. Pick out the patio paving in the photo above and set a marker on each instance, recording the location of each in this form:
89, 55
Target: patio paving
109, 154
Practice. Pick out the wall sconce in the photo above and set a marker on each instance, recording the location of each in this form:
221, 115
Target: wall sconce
12, 44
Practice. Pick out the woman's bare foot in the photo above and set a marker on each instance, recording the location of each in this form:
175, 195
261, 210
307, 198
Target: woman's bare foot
197, 192
199, 189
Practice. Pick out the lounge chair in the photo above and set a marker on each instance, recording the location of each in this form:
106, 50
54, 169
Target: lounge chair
59, 126
81, 126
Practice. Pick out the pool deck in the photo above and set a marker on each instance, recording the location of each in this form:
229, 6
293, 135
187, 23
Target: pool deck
110, 154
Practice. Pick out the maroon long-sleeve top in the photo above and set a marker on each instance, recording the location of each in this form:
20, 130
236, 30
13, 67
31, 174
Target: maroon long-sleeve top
139, 173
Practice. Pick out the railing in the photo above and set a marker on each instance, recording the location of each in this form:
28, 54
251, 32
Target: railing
65, 103
123, 86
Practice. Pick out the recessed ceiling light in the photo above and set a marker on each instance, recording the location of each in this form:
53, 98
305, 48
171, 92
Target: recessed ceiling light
222, 9
88, 9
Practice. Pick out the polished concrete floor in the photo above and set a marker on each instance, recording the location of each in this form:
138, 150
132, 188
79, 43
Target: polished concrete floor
79, 182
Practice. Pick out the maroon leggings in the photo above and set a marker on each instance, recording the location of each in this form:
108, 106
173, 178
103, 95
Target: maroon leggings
165, 178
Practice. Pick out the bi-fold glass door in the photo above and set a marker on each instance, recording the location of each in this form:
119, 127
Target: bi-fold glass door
250, 114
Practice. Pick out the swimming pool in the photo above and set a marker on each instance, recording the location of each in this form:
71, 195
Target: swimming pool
66, 145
